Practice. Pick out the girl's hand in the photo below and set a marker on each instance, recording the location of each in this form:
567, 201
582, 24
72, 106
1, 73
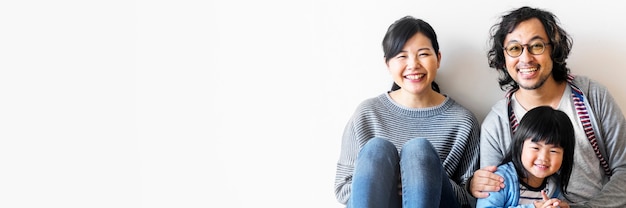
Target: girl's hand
564, 205
549, 203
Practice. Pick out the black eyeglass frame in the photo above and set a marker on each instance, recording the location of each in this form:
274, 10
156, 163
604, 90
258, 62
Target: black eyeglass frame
526, 46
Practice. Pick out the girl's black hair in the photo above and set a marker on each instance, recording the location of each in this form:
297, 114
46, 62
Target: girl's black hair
544, 124
401, 31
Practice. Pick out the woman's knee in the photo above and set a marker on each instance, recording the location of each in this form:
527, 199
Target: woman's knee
379, 147
418, 144
420, 159
421, 148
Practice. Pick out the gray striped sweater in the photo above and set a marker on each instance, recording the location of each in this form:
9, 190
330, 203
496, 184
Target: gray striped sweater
451, 128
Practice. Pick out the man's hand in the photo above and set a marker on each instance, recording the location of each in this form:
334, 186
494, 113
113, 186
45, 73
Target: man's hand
484, 181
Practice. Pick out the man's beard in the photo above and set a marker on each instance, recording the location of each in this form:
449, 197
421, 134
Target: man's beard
536, 86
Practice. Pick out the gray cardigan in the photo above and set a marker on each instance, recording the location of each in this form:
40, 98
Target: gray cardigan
608, 124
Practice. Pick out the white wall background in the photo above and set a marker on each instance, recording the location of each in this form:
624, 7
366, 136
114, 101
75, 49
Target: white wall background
227, 103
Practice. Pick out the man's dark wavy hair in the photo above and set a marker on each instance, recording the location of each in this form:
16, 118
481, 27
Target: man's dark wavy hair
560, 42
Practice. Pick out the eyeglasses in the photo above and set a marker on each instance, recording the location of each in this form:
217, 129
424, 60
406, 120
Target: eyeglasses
515, 49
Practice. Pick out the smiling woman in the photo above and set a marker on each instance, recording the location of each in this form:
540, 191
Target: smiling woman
414, 69
411, 147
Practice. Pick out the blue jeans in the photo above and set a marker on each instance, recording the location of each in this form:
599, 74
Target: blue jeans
377, 174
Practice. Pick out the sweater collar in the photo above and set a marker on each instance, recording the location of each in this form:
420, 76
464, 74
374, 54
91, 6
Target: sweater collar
396, 108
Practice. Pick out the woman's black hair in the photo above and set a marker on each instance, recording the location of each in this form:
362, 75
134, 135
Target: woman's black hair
401, 31
544, 124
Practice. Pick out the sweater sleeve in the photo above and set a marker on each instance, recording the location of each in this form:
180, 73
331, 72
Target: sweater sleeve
495, 136
345, 165
468, 164
612, 131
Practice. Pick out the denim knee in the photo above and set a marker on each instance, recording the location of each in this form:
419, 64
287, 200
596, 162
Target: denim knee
379, 147
420, 148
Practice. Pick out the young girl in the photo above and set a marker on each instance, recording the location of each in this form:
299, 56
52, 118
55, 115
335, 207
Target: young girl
539, 162
411, 146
